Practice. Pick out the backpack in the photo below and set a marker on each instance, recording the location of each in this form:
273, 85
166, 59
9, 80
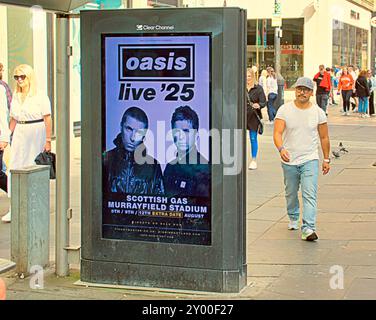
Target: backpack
8, 92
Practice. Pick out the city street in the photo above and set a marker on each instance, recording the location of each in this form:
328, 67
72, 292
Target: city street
280, 265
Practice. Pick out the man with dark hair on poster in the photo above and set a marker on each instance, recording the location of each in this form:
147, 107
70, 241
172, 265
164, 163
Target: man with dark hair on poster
188, 174
123, 172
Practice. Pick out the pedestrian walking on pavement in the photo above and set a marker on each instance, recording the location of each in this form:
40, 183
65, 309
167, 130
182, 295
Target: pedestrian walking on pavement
345, 87
323, 83
262, 81
298, 127
272, 88
30, 122
351, 70
5, 102
256, 102
363, 93
332, 85
372, 87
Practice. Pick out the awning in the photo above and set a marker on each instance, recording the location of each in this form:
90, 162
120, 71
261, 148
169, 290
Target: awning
50, 5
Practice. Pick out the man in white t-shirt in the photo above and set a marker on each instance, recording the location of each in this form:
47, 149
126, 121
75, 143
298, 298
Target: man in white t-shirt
298, 127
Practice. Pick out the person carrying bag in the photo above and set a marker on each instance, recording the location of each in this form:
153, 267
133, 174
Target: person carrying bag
251, 112
256, 100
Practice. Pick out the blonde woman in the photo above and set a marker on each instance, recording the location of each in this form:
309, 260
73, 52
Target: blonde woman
262, 81
30, 122
257, 101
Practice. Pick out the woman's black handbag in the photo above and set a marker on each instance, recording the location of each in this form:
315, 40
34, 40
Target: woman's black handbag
260, 128
47, 158
250, 111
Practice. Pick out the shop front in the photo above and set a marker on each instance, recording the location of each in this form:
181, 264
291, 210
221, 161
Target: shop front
333, 33
350, 45
260, 47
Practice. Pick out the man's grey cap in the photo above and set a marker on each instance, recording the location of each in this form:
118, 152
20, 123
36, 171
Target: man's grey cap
304, 82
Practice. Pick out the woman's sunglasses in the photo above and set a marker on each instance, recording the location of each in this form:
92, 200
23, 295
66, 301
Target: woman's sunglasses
22, 77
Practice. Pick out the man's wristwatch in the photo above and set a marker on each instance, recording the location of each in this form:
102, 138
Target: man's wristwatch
327, 160
280, 149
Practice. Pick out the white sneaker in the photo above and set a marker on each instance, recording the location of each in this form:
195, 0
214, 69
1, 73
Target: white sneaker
347, 113
7, 217
366, 115
293, 225
253, 165
309, 235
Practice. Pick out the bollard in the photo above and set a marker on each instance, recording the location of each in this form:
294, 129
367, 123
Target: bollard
30, 203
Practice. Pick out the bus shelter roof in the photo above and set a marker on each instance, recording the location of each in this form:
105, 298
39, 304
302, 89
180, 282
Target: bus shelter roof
49, 5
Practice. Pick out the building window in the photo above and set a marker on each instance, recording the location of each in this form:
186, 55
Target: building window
350, 45
260, 47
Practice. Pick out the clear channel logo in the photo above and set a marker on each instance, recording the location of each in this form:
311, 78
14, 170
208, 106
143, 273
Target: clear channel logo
157, 27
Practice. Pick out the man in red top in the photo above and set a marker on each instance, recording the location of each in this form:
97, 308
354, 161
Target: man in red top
323, 86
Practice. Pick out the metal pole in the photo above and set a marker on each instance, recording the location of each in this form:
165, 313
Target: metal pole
51, 65
373, 45
128, 3
277, 51
257, 43
62, 145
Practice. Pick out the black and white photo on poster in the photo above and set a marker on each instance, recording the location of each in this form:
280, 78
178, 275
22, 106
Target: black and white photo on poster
156, 147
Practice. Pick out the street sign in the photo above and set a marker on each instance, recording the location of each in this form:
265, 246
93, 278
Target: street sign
277, 7
276, 21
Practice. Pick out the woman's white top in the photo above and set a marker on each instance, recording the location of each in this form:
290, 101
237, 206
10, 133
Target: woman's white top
262, 83
33, 108
28, 139
272, 85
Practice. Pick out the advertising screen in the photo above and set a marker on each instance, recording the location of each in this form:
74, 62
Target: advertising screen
156, 161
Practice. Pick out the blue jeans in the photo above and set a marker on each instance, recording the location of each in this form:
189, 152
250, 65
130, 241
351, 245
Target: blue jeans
254, 143
305, 175
322, 101
363, 105
270, 106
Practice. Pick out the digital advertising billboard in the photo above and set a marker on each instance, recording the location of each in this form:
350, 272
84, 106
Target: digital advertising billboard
156, 160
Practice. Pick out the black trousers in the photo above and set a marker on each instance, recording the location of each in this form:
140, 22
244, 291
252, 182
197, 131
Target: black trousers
346, 95
3, 176
372, 103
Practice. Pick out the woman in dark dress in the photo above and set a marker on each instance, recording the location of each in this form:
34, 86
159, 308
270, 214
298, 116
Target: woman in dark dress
258, 100
363, 92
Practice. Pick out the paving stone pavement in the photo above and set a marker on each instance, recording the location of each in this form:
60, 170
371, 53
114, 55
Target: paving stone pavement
280, 265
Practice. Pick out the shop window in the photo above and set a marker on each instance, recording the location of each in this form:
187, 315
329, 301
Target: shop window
350, 45
260, 47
